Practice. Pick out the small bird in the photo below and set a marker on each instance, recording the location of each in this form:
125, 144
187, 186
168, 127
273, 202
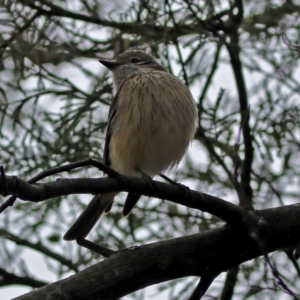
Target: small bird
152, 120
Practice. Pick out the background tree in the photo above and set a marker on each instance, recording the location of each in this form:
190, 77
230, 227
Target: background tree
242, 69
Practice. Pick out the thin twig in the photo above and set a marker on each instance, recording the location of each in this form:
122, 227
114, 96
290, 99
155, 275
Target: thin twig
237, 157
106, 252
280, 281
38, 247
209, 78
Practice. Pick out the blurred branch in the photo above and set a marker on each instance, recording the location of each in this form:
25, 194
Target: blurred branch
245, 191
175, 41
279, 279
38, 247
271, 16
17, 33
210, 77
285, 39
7, 278
238, 16
290, 255
210, 147
147, 29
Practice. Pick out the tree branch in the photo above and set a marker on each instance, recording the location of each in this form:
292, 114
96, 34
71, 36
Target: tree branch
228, 212
8, 278
230, 282
219, 249
44, 174
4, 45
104, 251
246, 190
38, 247
147, 30
206, 280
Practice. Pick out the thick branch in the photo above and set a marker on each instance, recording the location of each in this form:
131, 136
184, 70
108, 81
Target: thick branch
135, 268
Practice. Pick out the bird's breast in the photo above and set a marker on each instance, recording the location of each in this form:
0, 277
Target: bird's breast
155, 120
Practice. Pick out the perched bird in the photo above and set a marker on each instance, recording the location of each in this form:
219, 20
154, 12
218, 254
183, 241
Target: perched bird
152, 119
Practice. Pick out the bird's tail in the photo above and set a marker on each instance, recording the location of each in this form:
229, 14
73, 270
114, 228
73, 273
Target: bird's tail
130, 202
89, 217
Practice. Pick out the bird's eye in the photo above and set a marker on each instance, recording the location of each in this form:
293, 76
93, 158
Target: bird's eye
134, 60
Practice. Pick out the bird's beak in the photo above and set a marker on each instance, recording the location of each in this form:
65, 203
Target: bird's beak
110, 64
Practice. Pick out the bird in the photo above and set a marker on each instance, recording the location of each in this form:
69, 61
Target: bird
152, 120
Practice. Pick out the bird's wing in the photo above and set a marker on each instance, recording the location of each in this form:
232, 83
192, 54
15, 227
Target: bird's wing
111, 115
132, 198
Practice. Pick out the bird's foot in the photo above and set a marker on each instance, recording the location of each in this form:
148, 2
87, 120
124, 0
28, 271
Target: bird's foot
147, 178
186, 190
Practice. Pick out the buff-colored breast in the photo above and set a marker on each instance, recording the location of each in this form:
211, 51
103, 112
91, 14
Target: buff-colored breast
155, 120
